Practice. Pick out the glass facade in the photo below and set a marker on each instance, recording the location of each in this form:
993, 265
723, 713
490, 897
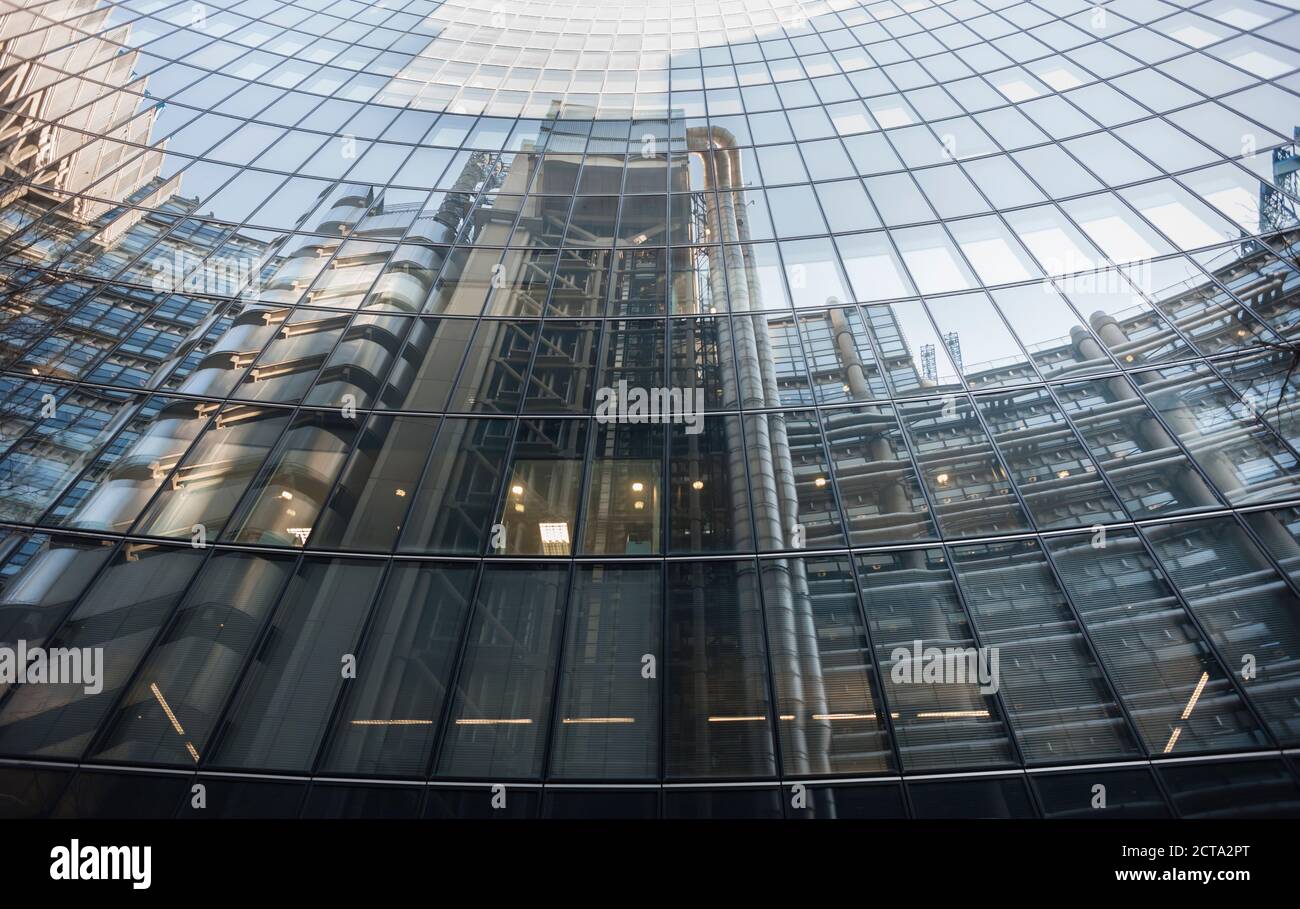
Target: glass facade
544, 408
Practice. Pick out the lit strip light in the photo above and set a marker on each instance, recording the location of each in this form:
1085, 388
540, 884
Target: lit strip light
737, 719
951, 714
1196, 695
478, 722
1187, 712
392, 722
597, 720
176, 724
1173, 739
844, 716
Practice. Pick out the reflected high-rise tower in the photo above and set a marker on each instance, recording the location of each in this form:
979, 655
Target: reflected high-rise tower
991, 309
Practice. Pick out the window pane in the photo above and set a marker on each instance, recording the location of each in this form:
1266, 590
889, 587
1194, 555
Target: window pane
910, 598
1060, 704
503, 693
829, 719
171, 710
541, 502
278, 719
624, 508
1153, 653
607, 719
389, 716
121, 615
1249, 614
718, 717
707, 495
457, 500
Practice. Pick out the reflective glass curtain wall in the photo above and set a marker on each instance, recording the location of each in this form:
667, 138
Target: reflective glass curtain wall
313, 312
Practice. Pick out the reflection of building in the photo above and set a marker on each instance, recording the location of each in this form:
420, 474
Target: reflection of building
384, 445
63, 136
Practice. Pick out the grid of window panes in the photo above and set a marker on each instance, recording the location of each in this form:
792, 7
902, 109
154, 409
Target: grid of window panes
310, 308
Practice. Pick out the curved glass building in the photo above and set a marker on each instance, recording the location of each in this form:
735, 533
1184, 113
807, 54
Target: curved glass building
732, 408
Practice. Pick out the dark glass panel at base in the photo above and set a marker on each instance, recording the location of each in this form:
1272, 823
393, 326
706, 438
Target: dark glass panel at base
881, 801
122, 796
1236, 789
1100, 794
601, 804
722, 804
998, 797
331, 801
27, 793
241, 798
504, 803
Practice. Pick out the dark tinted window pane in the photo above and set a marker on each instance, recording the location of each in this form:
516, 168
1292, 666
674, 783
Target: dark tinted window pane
722, 804
608, 711
510, 803
718, 715
278, 718
994, 798
171, 709
327, 801
122, 618
26, 793
122, 795
224, 797
1099, 794
848, 803
390, 714
708, 501
624, 506
503, 693
539, 510
456, 504
368, 506
601, 804
1232, 789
